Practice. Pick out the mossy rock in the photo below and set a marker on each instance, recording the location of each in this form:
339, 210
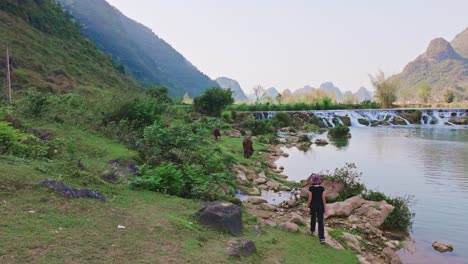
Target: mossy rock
459, 120
346, 120
399, 121
414, 117
363, 121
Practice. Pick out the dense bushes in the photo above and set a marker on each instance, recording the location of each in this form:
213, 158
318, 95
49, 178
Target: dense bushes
280, 120
339, 131
259, 127
17, 143
189, 181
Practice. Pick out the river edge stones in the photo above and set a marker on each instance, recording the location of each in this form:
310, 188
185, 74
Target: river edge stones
221, 216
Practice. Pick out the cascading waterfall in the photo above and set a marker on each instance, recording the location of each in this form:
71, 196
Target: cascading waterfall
362, 118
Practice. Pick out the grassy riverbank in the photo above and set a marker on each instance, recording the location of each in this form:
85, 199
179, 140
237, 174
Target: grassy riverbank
40, 226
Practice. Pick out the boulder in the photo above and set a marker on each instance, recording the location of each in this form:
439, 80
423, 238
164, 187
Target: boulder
374, 212
390, 256
256, 200
345, 208
222, 216
332, 189
118, 168
267, 207
240, 247
442, 247
363, 121
262, 175
346, 120
288, 226
241, 177
459, 120
393, 244
71, 192
250, 191
260, 181
273, 185
352, 241
321, 142
296, 219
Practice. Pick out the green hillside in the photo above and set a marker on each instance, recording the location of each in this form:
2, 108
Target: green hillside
49, 53
147, 58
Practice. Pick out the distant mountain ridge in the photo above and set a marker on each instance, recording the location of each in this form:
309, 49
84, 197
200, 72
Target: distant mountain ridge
227, 83
460, 43
146, 57
330, 88
441, 66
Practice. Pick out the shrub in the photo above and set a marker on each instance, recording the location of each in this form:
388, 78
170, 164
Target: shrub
21, 144
351, 179
227, 116
312, 128
338, 131
188, 181
259, 127
401, 217
213, 101
281, 119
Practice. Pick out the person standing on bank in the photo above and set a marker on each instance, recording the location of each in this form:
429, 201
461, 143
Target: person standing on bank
317, 206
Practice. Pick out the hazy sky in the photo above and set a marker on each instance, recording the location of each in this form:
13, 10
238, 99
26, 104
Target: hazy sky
292, 43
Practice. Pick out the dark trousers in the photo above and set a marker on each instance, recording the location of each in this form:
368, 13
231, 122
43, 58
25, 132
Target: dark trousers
317, 213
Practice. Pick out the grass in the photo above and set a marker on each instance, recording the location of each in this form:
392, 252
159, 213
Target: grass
40, 226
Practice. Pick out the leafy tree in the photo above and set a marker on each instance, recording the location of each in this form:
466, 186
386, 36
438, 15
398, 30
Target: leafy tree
424, 92
385, 89
449, 96
159, 93
213, 101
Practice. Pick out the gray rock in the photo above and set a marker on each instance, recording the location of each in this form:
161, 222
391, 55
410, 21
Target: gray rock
256, 200
288, 226
222, 216
241, 247
71, 192
260, 181
352, 241
267, 207
390, 256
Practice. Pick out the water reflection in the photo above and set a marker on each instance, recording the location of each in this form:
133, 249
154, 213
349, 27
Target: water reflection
340, 143
430, 163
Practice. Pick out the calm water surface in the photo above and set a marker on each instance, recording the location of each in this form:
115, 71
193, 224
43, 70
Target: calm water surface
429, 163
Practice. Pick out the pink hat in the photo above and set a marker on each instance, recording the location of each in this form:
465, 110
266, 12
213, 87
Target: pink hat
315, 179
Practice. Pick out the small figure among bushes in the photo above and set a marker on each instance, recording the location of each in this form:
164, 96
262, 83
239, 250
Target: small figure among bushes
216, 134
247, 145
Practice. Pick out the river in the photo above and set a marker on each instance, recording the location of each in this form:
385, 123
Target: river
429, 163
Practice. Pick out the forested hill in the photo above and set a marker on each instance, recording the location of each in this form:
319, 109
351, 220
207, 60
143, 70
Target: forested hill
147, 58
49, 53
